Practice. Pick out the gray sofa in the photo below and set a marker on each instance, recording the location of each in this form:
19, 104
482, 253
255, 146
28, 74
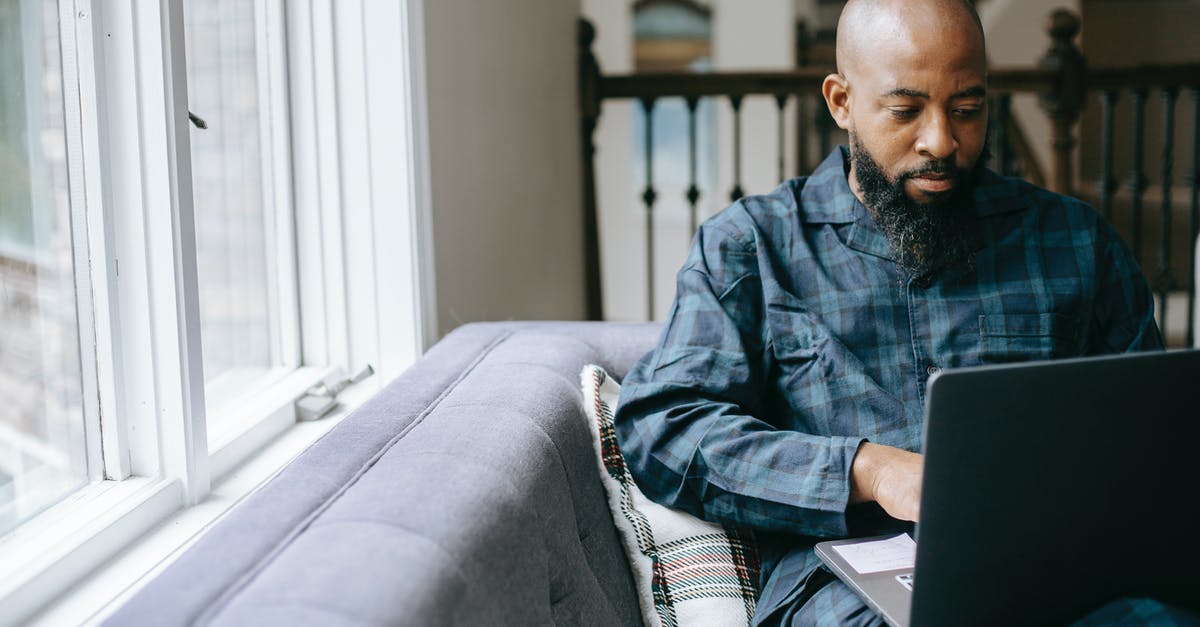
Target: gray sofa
465, 493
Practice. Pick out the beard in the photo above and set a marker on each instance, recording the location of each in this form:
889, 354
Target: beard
925, 237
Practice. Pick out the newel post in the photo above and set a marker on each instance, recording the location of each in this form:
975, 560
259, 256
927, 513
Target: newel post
589, 114
802, 118
1065, 100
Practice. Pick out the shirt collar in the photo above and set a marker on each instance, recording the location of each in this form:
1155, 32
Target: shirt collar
995, 194
826, 196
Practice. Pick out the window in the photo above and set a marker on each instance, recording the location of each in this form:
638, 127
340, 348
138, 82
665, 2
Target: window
168, 291
244, 242
42, 444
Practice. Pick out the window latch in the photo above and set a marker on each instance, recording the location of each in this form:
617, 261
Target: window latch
197, 121
321, 398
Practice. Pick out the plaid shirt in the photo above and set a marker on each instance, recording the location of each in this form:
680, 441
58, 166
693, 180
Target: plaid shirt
794, 337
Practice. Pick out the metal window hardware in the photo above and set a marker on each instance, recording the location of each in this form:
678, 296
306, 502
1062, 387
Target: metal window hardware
197, 120
321, 398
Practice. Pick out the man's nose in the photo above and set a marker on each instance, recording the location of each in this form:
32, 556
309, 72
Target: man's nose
936, 139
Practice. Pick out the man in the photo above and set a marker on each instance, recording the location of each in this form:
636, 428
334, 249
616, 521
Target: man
786, 393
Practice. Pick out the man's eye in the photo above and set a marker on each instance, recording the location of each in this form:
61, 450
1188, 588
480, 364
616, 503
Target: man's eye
903, 114
967, 114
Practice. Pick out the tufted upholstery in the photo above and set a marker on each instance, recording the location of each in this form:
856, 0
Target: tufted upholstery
464, 493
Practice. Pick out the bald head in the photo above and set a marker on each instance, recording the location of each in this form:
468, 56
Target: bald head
867, 27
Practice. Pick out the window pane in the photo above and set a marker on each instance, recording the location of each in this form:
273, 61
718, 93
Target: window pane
42, 449
234, 221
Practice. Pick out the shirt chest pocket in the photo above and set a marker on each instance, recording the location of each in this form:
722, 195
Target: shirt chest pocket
1025, 337
793, 335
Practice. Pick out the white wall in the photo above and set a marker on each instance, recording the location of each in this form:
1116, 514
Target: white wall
504, 160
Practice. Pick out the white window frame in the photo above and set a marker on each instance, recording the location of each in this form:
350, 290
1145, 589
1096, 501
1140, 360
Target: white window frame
355, 123
262, 411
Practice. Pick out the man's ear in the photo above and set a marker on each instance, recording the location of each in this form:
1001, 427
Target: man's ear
837, 97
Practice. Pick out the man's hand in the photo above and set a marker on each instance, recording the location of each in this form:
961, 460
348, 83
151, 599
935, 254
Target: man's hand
889, 476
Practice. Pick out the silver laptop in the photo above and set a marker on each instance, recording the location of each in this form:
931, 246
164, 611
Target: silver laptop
1050, 489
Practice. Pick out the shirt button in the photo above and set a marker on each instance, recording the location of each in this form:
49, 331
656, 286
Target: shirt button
932, 370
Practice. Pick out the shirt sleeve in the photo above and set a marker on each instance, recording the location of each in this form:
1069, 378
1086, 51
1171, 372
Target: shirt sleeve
1124, 312
692, 422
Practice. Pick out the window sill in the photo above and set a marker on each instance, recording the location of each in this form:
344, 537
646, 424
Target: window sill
64, 543
256, 419
104, 590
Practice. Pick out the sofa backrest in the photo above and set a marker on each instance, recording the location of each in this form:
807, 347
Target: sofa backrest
466, 492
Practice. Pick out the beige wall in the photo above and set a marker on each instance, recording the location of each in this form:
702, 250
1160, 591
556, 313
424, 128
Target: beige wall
1148, 32
504, 160
1132, 32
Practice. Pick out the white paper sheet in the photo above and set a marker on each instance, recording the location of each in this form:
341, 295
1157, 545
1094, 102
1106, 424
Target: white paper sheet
880, 555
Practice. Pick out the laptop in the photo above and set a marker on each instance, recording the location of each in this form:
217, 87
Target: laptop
1049, 490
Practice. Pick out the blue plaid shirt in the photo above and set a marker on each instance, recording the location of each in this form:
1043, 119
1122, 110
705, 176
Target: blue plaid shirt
794, 337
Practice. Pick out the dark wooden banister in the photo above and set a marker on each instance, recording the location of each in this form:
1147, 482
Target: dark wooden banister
670, 84
1142, 76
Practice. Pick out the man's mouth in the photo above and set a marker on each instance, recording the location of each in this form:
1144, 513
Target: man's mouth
934, 183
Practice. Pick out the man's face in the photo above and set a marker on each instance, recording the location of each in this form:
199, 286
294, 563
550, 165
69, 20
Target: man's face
911, 91
916, 100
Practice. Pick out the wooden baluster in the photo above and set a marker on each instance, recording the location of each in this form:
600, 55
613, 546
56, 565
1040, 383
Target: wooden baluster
1000, 118
1194, 179
824, 123
736, 101
693, 191
781, 103
648, 197
1137, 179
1108, 183
802, 165
589, 106
1163, 281
1065, 100
802, 120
